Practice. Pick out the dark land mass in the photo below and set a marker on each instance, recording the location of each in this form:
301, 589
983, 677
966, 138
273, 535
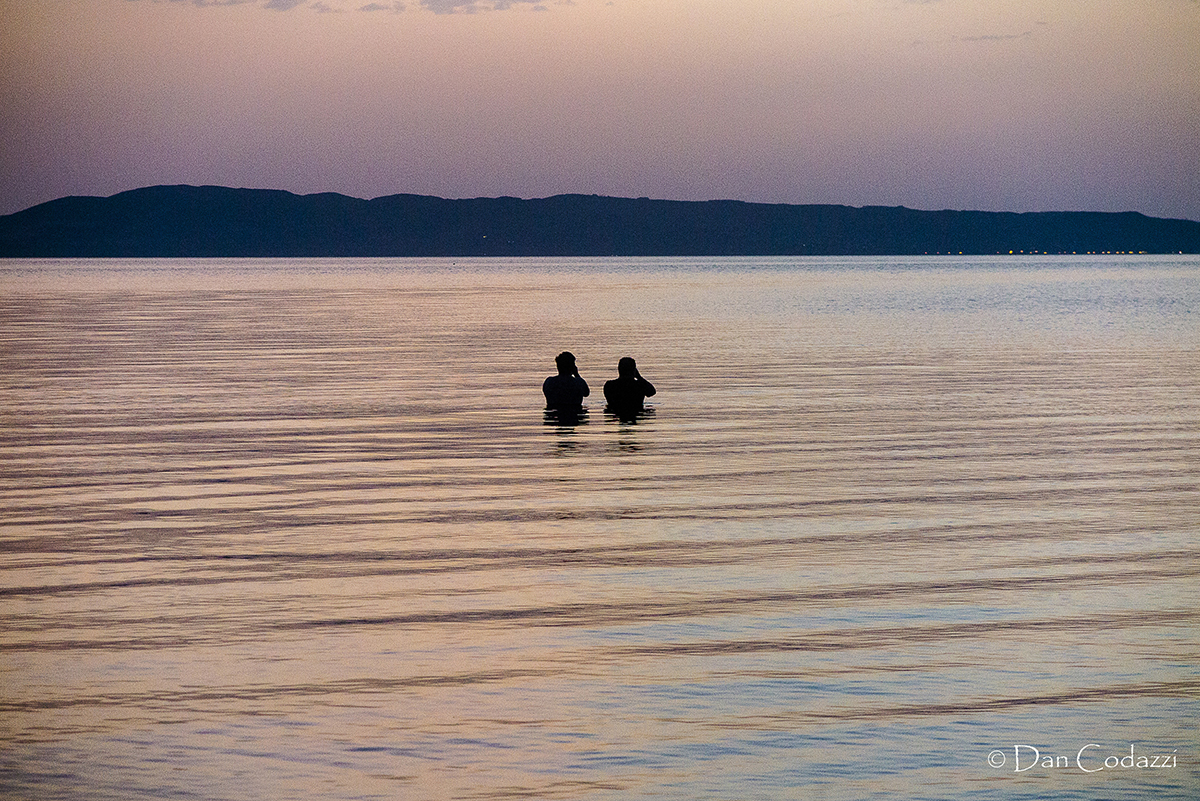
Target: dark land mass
188, 221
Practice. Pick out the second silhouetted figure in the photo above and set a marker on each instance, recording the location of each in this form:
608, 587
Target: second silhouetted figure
625, 393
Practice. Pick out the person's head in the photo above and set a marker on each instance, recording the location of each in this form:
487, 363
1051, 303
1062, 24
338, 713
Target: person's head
627, 366
565, 362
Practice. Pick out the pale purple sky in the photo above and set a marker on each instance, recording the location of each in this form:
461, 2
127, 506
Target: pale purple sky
968, 104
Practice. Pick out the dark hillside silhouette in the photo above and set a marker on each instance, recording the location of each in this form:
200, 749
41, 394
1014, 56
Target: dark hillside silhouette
188, 221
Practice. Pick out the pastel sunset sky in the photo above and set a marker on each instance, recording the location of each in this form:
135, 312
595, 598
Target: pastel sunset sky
969, 104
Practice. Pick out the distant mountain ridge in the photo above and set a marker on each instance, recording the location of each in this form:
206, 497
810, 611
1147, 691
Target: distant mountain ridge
212, 221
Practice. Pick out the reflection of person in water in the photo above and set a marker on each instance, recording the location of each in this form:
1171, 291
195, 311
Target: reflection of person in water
628, 390
565, 392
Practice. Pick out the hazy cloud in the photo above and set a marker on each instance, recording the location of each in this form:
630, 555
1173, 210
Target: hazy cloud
205, 3
449, 6
470, 7
995, 37
436, 6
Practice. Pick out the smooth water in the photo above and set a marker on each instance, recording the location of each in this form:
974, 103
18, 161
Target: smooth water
300, 530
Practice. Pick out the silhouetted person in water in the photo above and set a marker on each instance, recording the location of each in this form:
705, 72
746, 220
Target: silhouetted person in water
565, 392
628, 390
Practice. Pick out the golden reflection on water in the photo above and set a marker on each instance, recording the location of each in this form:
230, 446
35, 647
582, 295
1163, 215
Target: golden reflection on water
271, 527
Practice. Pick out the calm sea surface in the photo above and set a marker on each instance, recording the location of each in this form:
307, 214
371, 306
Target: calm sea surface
910, 528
